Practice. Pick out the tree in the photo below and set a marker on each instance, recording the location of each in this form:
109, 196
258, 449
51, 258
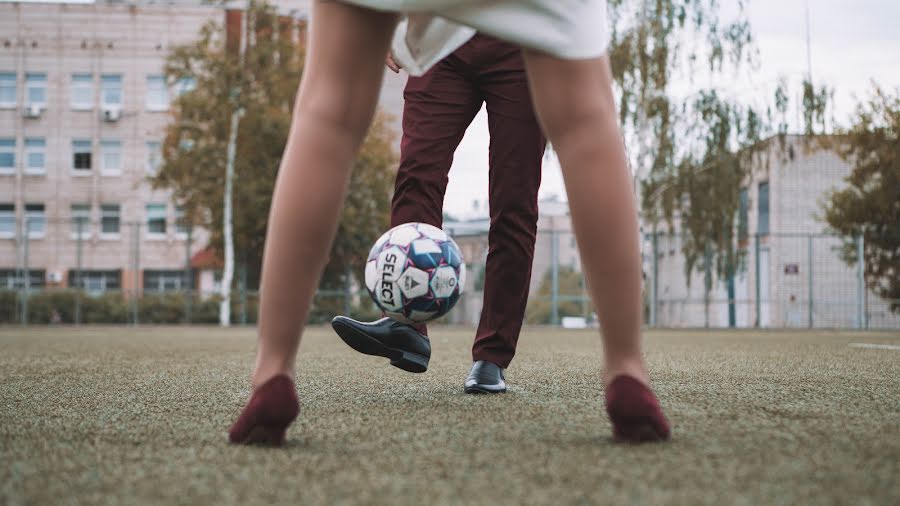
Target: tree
692, 152
869, 207
195, 147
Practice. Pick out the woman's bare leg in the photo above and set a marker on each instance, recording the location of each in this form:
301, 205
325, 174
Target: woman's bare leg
575, 105
333, 110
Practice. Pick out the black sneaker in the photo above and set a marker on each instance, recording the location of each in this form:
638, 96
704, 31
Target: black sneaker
407, 348
485, 378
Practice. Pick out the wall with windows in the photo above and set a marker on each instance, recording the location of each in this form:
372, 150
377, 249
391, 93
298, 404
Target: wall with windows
83, 108
801, 278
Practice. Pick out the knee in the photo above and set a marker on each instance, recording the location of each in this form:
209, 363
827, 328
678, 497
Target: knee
567, 119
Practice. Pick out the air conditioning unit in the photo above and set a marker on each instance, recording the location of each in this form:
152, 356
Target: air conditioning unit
32, 111
112, 113
54, 277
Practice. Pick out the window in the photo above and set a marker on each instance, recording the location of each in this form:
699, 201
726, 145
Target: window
743, 230
34, 217
154, 157
156, 219
11, 279
95, 282
7, 220
7, 155
111, 157
81, 220
35, 159
166, 281
111, 90
762, 228
36, 89
8, 89
110, 219
181, 226
82, 91
81, 155
184, 85
157, 93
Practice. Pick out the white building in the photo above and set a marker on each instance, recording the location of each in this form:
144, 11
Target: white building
802, 282
83, 109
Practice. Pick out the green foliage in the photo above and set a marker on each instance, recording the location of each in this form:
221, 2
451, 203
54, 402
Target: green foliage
703, 189
540, 305
869, 207
195, 145
815, 107
688, 147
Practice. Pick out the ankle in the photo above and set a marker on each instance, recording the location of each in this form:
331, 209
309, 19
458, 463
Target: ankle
634, 367
265, 371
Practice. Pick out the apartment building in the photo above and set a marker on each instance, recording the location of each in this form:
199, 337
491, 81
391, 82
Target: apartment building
83, 108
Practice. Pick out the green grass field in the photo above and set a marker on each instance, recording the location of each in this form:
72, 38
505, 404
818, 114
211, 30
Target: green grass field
124, 415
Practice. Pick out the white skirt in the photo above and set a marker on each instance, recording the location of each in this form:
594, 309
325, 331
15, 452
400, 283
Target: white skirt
569, 29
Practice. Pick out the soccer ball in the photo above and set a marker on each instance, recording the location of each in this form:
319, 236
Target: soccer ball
415, 273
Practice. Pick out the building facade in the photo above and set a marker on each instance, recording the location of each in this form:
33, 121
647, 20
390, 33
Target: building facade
791, 273
83, 108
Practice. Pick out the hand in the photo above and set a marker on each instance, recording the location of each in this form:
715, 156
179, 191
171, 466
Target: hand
391, 64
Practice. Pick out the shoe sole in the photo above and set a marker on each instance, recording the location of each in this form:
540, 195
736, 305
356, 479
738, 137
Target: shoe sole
636, 430
262, 435
361, 342
481, 390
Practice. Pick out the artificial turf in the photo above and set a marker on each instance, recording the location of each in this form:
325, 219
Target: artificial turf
139, 415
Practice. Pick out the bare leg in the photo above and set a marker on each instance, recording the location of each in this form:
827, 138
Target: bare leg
575, 105
333, 110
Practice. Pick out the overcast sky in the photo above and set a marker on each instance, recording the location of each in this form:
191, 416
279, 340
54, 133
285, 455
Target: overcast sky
853, 42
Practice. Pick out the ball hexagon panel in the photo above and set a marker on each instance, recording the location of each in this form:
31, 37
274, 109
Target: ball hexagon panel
371, 274
432, 232
413, 283
425, 253
403, 235
443, 281
451, 254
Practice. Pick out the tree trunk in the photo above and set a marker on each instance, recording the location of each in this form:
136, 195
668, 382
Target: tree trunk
227, 223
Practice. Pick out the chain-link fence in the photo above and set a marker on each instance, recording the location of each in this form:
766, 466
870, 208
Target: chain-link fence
107, 271
780, 281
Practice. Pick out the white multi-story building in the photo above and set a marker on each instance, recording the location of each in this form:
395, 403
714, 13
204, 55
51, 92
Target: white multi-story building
83, 109
802, 281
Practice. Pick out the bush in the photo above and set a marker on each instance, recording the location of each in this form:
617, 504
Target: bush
9, 306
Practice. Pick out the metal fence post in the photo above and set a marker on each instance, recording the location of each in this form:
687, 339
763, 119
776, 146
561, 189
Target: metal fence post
810, 288
79, 283
26, 282
136, 271
554, 269
243, 295
861, 283
347, 290
654, 283
188, 281
756, 278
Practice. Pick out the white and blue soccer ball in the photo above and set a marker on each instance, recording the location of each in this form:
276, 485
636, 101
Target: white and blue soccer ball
415, 273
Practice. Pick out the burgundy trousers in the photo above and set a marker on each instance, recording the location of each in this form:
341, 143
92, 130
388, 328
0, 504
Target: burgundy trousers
438, 108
